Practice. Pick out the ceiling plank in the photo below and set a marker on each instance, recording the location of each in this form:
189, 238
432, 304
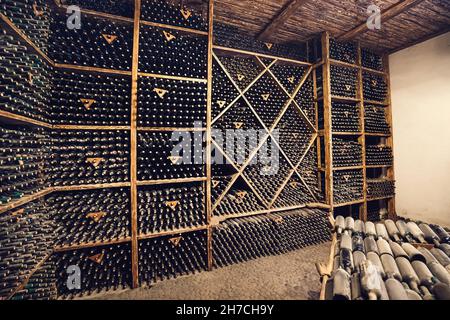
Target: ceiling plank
386, 15
420, 40
280, 19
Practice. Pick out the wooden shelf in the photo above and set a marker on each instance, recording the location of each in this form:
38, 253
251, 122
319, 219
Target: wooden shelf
166, 76
15, 119
380, 103
177, 28
348, 168
25, 200
345, 99
170, 129
28, 277
378, 166
380, 198
344, 64
382, 73
92, 186
344, 204
89, 127
262, 55
347, 133
170, 181
71, 247
377, 134
171, 232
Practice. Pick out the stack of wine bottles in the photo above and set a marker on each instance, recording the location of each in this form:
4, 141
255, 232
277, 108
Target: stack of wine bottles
168, 103
347, 152
222, 173
375, 120
305, 99
289, 75
374, 87
379, 155
98, 43
348, 186
24, 158
101, 268
173, 53
376, 212
239, 199
343, 81
82, 98
294, 134
124, 8
32, 17
229, 36
243, 70
172, 256
345, 117
267, 99
378, 261
371, 60
26, 237
223, 90
171, 14
380, 188
170, 207
41, 285
296, 193
243, 239
90, 216
268, 178
310, 173
170, 155
25, 80
343, 51
89, 157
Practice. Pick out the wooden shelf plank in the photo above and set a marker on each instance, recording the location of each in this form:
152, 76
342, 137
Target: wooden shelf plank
177, 28
345, 99
89, 127
92, 186
170, 181
171, 232
169, 77
348, 168
171, 129
343, 64
347, 133
380, 198
378, 166
380, 103
377, 134
12, 118
25, 200
262, 55
85, 245
381, 73
344, 204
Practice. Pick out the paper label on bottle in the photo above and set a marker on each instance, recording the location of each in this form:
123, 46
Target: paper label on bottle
174, 159
175, 241
98, 258
169, 37
265, 96
268, 45
215, 183
172, 204
291, 79
110, 38
240, 76
87, 103
95, 161
96, 216
186, 13
160, 92
221, 103
36, 10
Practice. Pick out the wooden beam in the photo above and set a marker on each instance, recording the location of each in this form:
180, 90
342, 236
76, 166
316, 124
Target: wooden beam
280, 19
386, 15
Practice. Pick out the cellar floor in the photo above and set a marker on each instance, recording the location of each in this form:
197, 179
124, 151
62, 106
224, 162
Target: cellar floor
285, 277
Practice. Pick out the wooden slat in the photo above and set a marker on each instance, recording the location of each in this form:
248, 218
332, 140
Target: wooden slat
386, 15
170, 181
280, 19
92, 244
25, 200
16, 118
133, 147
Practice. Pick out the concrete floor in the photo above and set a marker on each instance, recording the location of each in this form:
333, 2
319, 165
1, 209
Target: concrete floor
291, 276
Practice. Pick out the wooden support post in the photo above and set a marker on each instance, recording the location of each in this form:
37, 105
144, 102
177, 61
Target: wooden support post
208, 133
133, 147
328, 134
362, 138
390, 139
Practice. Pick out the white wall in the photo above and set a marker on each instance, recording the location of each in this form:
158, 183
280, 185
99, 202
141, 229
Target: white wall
420, 88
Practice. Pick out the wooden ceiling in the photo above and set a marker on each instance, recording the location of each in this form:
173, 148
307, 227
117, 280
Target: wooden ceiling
403, 22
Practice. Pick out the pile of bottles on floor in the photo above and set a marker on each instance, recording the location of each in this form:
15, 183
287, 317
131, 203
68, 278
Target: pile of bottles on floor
388, 260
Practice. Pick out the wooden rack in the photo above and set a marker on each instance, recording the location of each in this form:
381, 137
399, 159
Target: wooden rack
133, 128
328, 132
